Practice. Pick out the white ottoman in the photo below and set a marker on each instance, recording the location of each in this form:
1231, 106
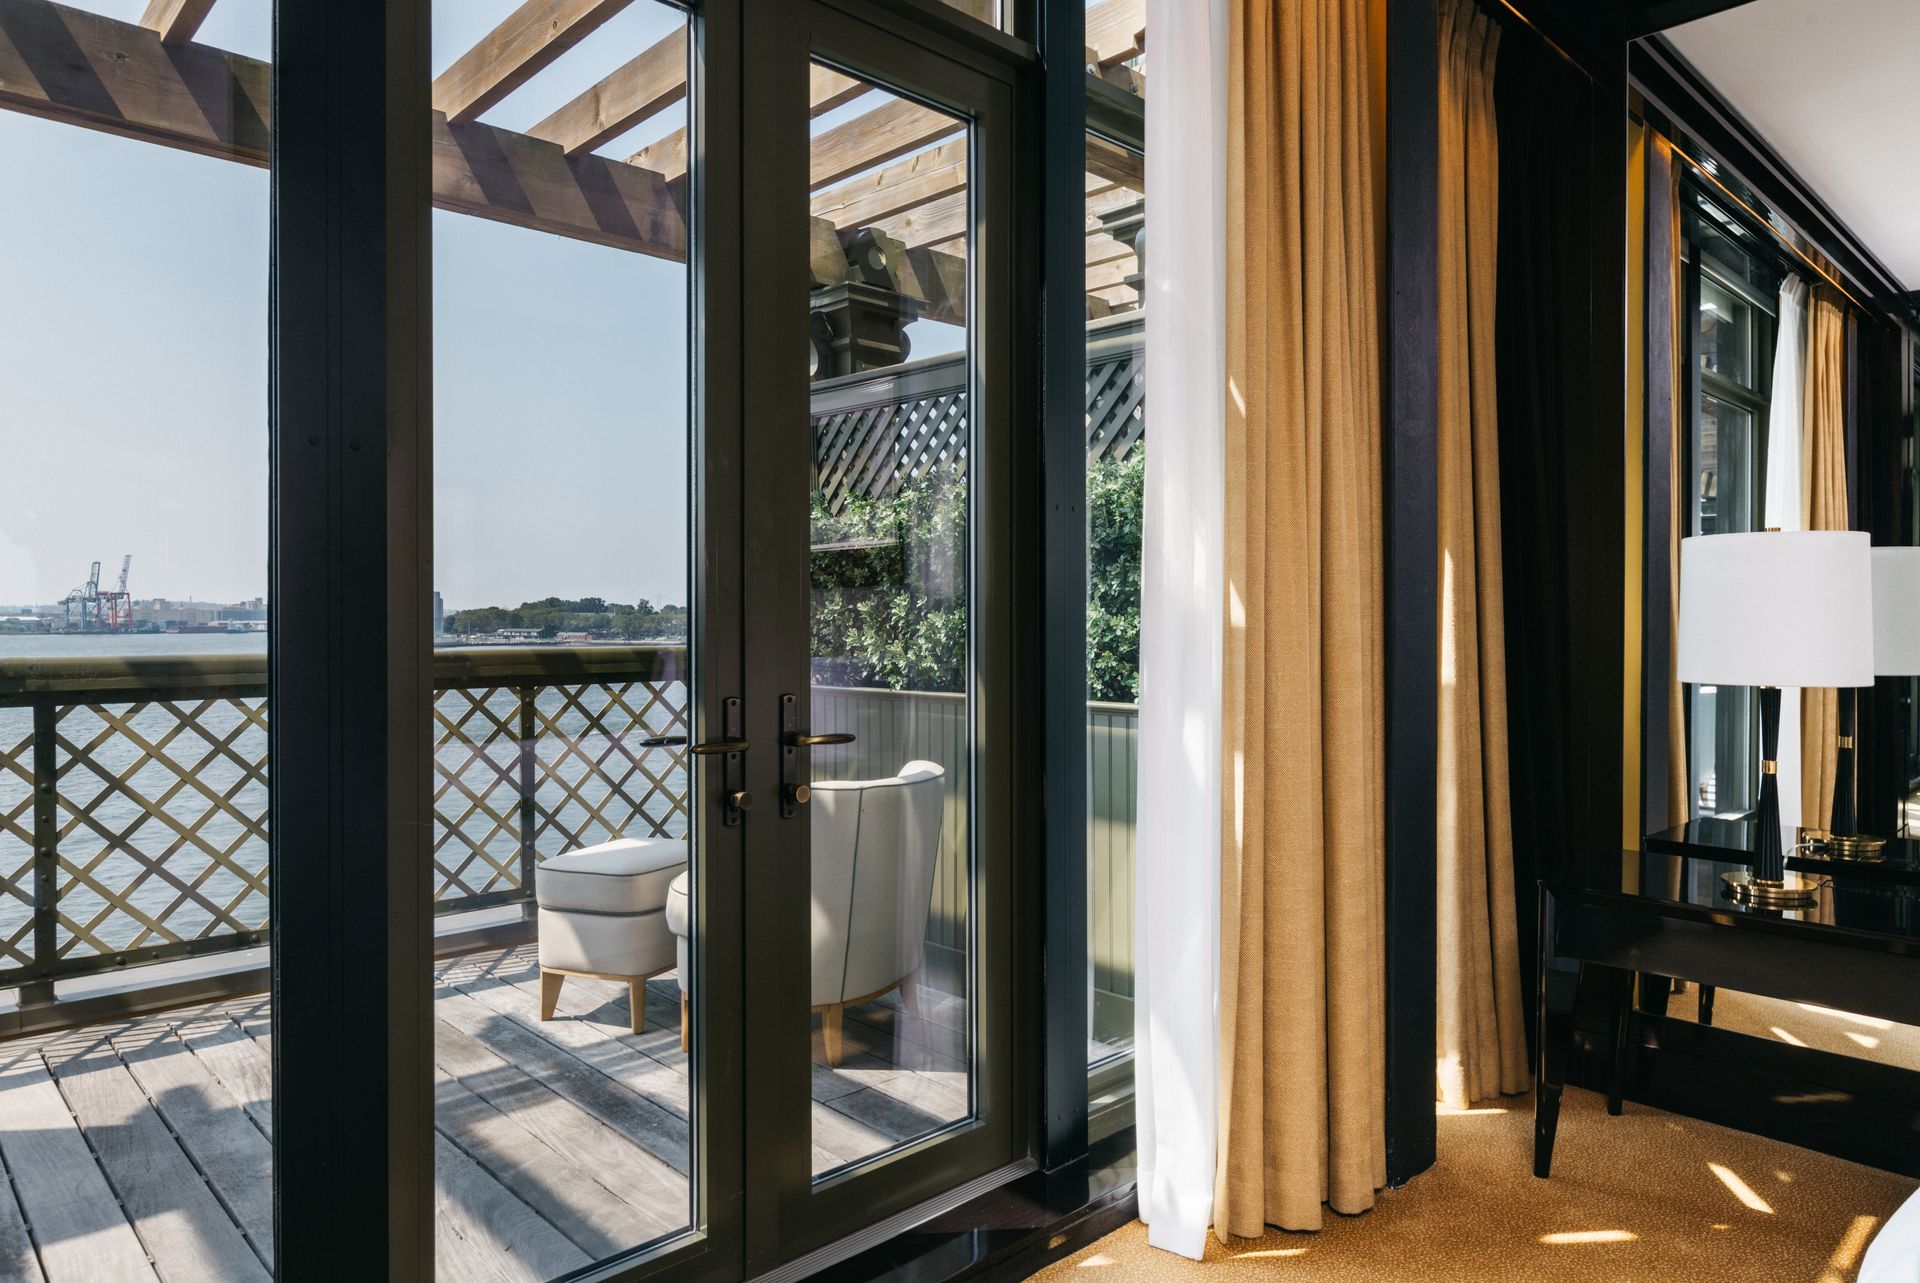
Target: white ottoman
603, 914
682, 927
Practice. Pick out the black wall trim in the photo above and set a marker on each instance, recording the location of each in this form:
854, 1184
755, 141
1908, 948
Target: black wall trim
1062, 583
1410, 447
1668, 80
350, 674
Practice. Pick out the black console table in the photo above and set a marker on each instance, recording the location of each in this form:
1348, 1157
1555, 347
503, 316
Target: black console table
1732, 840
1856, 949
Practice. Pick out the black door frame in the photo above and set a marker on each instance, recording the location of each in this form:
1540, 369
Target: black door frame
783, 36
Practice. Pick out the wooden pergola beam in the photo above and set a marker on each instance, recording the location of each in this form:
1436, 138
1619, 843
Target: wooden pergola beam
826, 89
646, 85
525, 42
80, 68
934, 173
875, 137
1116, 31
177, 21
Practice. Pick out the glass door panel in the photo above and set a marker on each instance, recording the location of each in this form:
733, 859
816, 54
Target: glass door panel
567, 831
892, 857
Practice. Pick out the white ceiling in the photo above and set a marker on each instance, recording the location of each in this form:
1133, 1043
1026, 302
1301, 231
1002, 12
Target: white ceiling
1833, 86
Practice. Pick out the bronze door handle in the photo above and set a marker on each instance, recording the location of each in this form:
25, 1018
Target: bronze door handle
795, 739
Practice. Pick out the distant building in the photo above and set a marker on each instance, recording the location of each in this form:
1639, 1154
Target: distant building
439, 615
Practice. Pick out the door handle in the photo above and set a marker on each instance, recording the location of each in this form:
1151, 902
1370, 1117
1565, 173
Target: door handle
795, 739
734, 798
703, 750
796, 787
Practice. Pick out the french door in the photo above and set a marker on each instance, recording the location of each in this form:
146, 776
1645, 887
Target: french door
879, 642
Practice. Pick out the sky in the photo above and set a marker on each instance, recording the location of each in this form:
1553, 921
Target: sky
134, 361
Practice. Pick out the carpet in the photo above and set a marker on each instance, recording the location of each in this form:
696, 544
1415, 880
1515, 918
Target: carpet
1646, 1196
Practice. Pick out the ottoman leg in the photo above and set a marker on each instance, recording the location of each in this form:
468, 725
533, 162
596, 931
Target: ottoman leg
550, 982
637, 1002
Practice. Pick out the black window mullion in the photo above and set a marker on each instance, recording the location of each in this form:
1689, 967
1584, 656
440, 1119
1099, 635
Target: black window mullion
350, 655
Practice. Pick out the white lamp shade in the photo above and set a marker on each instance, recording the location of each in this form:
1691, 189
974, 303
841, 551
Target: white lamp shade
1896, 611
1781, 608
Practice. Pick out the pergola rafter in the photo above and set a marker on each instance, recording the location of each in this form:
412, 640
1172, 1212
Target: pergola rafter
526, 41
640, 89
177, 21
899, 169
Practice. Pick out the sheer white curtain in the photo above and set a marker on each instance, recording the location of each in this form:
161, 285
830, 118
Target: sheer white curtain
1177, 870
1786, 507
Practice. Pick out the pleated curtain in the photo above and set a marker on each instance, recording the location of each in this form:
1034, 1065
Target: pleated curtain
1481, 1031
1177, 832
1823, 455
1301, 914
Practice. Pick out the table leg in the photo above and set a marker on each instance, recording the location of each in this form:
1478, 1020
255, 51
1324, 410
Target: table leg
1553, 1032
1705, 1013
1620, 991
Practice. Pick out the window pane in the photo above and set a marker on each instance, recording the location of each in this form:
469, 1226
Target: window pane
892, 851
1726, 332
1116, 473
133, 552
564, 1103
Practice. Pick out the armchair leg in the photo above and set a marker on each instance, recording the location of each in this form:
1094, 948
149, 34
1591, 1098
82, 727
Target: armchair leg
830, 1032
686, 1042
637, 1004
550, 982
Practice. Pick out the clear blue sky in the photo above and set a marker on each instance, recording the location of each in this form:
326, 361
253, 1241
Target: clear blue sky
133, 358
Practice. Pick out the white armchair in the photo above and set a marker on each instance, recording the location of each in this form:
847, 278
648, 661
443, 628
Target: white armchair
875, 845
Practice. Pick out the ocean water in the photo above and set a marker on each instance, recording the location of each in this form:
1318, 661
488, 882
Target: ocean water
185, 847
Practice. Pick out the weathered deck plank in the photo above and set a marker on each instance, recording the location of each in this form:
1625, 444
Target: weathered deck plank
483, 1234
189, 1235
657, 1192
236, 1156
17, 1259
559, 1142
83, 1234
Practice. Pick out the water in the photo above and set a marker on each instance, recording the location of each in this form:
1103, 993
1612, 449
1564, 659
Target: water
184, 843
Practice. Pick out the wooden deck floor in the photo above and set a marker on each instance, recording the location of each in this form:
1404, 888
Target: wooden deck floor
142, 1150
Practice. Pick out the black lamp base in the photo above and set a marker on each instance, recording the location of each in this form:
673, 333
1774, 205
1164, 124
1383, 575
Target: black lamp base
1769, 860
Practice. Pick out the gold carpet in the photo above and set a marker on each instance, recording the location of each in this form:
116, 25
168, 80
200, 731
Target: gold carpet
1646, 1196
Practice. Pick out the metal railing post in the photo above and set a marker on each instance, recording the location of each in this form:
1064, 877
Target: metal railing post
46, 846
529, 813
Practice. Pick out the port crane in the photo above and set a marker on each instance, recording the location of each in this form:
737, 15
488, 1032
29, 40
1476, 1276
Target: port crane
88, 610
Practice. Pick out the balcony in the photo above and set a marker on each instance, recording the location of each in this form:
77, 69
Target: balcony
135, 1103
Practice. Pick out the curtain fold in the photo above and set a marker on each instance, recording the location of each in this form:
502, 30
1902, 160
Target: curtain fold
1177, 842
1679, 764
1824, 484
1785, 510
1481, 1036
1301, 915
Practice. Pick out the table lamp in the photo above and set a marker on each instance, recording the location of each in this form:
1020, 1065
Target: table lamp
1896, 653
1775, 609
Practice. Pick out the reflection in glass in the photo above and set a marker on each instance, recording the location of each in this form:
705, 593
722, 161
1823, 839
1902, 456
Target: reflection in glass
891, 856
563, 1099
1116, 473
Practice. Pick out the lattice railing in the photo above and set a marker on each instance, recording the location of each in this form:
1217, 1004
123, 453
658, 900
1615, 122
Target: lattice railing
133, 792
874, 432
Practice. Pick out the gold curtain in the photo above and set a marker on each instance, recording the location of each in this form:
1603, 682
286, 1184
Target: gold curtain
1680, 507
1823, 472
1302, 942
1481, 1036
